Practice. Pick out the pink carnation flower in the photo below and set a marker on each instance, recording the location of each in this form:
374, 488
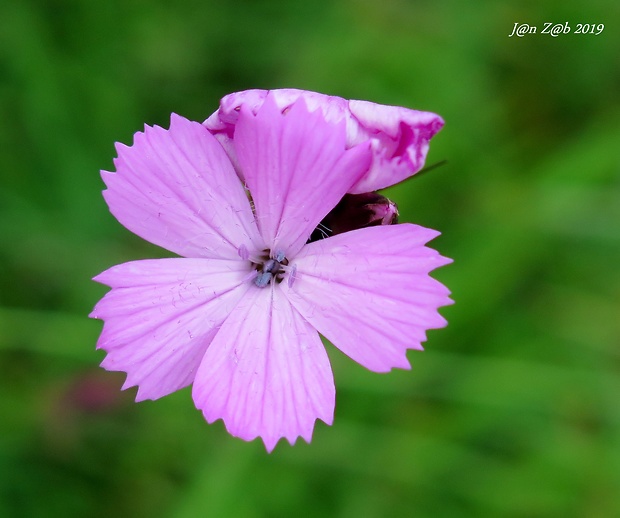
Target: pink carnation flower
239, 314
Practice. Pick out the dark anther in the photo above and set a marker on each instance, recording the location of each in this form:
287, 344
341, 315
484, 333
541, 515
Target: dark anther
270, 268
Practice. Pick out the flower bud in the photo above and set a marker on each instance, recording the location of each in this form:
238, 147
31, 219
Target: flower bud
355, 211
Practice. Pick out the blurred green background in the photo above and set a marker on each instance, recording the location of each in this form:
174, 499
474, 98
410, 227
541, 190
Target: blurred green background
513, 409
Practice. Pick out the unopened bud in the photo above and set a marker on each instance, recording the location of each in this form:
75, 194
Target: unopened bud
355, 211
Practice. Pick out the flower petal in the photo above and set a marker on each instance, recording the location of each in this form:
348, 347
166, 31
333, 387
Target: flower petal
399, 136
297, 169
161, 316
369, 293
334, 109
177, 188
266, 373
400, 140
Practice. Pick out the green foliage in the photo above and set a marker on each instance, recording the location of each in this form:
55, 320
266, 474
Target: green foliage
511, 411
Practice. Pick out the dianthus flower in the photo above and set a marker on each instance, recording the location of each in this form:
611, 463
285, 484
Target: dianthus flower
240, 198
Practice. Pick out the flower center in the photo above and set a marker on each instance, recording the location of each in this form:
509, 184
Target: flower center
270, 268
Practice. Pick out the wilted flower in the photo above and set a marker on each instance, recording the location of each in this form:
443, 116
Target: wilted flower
239, 314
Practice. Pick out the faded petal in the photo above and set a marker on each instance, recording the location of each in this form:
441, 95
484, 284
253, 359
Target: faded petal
161, 316
266, 373
225, 118
400, 141
177, 189
399, 136
296, 168
369, 293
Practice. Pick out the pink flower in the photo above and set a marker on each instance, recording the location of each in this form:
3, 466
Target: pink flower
398, 137
239, 314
